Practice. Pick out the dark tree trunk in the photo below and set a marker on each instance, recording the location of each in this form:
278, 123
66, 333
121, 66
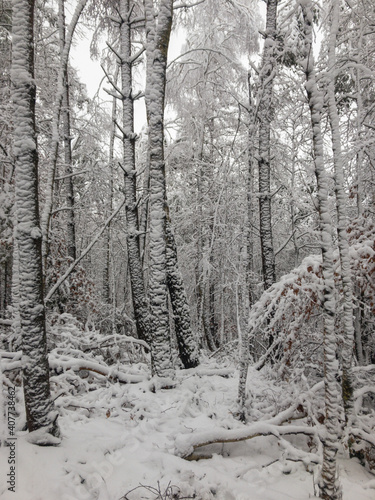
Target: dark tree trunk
267, 74
187, 346
68, 160
38, 403
140, 305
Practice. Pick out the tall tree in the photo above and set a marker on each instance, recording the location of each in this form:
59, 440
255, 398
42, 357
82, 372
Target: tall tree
265, 110
67, 136
158, 30
39, 406
330, 489
342, 219
140, 305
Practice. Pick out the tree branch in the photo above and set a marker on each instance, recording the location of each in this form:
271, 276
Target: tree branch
83, 254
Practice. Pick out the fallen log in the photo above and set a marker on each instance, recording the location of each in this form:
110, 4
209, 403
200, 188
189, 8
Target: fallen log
187, 445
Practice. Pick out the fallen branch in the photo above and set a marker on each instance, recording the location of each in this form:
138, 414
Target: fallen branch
186, 445
62, 362
10, 361
201, 372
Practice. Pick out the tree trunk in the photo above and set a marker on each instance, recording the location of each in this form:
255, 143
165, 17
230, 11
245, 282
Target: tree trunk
158, 29
330, 489
38, 403
249, 297
68, 181
249, 199
141, 311
107, 267
342, 220
15, 343
186, 343
267, 74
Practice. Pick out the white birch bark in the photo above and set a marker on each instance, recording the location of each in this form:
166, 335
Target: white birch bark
38, 403
158, 28
342, 220
329, 485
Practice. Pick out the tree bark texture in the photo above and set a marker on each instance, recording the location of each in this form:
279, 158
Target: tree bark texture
186, 343
140, 305
267, 75
38, 403
158, 29
329, 488
342, 219
68, 157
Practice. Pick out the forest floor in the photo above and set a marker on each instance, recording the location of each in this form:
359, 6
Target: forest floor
124, 441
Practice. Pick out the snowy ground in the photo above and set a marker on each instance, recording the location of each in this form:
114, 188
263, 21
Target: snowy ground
120, 438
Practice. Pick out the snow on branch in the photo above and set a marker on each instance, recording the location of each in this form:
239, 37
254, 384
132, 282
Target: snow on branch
187, 444
65, 362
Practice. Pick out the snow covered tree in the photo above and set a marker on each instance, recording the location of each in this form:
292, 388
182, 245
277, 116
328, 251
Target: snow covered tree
342, 216
140, 305
67, 140
265, 110
39, 406
329, 488
158, 30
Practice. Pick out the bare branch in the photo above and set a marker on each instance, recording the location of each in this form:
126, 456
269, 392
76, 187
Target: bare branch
187, 5
85, 252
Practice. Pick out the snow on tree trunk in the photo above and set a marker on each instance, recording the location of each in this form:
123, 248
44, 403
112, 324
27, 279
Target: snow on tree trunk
38, 403
329, 487
68, 181
16, 320
342, 220
187, 346
158, 29
141, 311
267, 74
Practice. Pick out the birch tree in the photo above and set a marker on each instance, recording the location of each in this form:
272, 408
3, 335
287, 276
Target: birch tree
342, 220
38, 403
329, 488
